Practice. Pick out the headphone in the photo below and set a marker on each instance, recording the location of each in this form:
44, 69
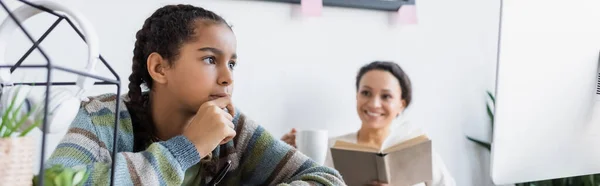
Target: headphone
63, 105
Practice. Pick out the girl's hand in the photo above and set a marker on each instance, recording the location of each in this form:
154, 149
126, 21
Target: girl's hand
211, 126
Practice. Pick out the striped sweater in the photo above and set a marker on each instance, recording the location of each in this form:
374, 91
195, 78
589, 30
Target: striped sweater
257, 157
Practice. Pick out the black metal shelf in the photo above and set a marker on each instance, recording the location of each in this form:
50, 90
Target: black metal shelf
49, 67
380, 5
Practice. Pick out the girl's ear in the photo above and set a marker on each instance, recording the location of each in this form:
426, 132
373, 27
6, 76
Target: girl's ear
156, 66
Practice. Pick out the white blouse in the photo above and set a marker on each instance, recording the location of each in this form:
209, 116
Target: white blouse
401, 132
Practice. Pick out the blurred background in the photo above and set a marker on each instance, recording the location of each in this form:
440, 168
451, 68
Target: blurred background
299, 71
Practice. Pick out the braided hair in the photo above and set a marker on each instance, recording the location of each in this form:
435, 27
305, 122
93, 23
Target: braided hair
164, 32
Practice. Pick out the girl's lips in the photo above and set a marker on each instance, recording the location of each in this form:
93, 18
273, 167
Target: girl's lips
217, 96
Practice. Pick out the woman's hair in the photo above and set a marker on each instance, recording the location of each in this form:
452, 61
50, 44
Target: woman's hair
393, 69
164, 32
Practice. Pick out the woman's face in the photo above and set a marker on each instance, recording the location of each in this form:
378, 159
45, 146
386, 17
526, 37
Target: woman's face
204, 69
379, 99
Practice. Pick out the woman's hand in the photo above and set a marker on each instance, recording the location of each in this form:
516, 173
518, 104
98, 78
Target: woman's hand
377, 183
211, 126
290, 138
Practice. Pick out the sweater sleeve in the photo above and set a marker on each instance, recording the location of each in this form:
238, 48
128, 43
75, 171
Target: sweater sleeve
269, 161
162, 163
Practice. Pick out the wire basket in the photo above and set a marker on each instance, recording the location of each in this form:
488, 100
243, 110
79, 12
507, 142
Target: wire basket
17, 161
10, 177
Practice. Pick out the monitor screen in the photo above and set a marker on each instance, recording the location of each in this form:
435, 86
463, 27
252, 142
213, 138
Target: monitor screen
546, 117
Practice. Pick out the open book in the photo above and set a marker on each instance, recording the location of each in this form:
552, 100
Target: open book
403, 164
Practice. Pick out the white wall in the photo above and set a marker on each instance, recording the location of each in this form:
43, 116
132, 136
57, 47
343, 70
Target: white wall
450, 56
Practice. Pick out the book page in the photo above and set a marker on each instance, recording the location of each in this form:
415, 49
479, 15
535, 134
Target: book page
354, 147
401, 131
407, 144
410, 165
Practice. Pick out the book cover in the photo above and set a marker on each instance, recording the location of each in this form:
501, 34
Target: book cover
405, 163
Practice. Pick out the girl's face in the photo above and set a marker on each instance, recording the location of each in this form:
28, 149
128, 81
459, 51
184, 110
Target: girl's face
203, 70
379, 99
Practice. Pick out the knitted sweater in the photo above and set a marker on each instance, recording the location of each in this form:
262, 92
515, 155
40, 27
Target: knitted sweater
257, 157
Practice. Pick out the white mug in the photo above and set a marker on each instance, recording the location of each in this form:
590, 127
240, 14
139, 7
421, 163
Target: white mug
314, 144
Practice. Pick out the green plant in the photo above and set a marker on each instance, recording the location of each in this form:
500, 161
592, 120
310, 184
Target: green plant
586, 180
13, 120
490, 113
61, 176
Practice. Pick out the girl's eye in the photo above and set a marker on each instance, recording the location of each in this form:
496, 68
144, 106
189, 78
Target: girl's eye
365, 93
209, 60
232, 65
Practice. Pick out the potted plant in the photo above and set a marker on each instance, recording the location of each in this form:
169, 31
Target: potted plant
63, 176
586, 180
16, 148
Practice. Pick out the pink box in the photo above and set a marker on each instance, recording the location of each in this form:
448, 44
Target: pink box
312, 7
407, 14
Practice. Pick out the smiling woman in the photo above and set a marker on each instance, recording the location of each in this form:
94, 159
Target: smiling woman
384, 90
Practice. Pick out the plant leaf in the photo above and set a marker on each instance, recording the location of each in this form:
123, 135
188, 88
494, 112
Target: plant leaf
67, 176
19, 122
486, 145
23, 119
10, 127
35, 124
490, 115
78, 177
5, 116
36, 121
85, 178
36, 180
58, 181
3, 125
492, 97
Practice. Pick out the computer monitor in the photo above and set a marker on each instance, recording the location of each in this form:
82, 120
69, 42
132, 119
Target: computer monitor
547, 114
